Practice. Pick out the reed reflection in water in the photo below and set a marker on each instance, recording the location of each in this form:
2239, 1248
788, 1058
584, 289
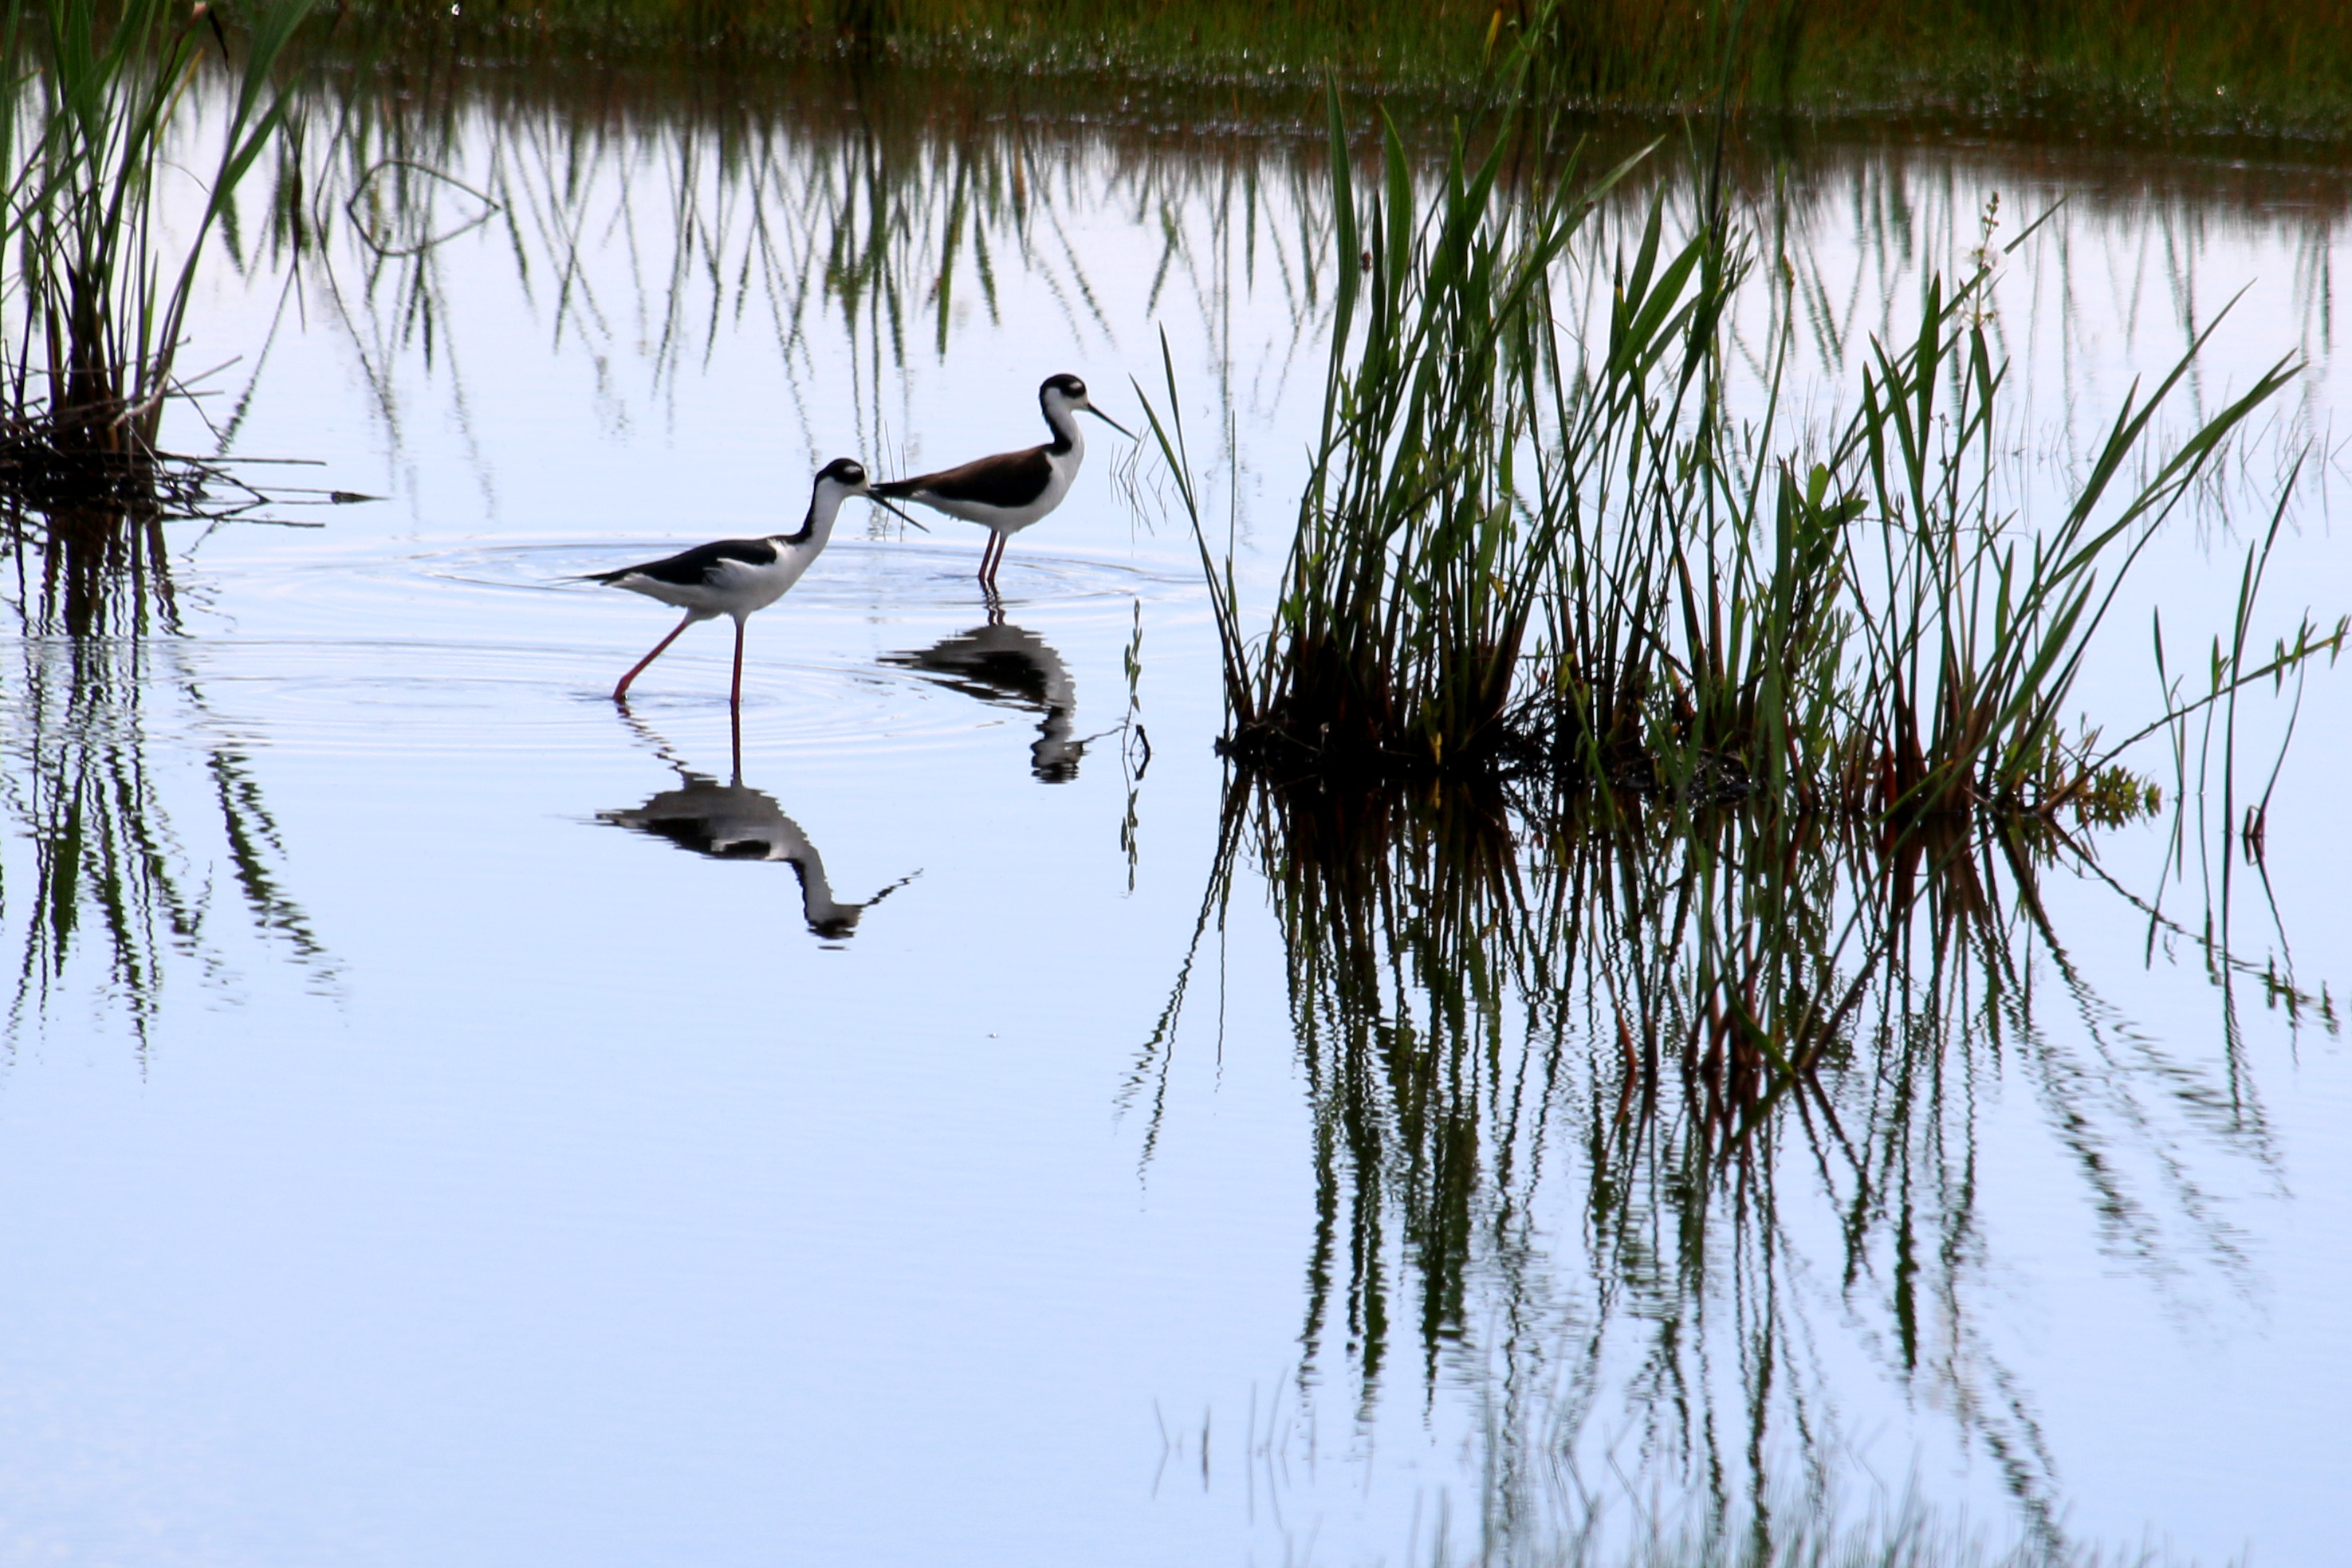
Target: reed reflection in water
858, 227
1591, 1090
132, 839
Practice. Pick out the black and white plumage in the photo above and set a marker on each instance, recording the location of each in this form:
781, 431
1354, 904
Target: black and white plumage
1006, 493
739, 577
1002, 663
735, 823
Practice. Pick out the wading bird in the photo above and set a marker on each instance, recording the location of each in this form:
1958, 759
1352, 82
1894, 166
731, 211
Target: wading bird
1006, 493
737, 576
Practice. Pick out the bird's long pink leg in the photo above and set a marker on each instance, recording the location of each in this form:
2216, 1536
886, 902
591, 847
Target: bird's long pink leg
735, 705
735, 697
621, 691
987, 551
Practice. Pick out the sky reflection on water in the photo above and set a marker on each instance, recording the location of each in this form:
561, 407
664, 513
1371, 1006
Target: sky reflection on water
455, 1180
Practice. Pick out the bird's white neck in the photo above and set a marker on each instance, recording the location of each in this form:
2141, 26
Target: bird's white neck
817, 526
1068, 439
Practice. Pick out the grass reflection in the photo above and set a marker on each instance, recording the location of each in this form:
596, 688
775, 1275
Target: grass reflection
1620, 1116
117, 884
851, 219
651, 214
120, 888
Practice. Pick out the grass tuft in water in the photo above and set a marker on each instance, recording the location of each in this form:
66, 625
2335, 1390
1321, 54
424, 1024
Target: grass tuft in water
1524, 552
100, 301
94, 297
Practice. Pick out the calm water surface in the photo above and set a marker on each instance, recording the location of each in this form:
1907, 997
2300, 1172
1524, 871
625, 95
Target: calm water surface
447, 1120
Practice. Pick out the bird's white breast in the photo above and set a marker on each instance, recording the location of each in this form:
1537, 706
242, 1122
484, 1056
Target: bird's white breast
757, 586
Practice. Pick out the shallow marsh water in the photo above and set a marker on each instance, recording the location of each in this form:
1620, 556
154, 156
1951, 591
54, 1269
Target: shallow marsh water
419, 1152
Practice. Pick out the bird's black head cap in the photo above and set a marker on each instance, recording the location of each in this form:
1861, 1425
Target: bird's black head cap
1068, 385
844, 471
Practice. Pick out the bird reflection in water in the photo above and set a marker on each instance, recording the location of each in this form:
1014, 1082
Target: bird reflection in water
1014, 667
735, 822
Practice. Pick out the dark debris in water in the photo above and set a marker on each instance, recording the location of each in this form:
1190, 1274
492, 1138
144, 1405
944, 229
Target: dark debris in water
48, 470
83, 501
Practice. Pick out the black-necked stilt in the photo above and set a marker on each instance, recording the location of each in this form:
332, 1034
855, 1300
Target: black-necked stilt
1002, 663
738, 576
735, 822
1006, 493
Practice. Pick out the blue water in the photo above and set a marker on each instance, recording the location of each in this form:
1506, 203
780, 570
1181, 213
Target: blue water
499, 1184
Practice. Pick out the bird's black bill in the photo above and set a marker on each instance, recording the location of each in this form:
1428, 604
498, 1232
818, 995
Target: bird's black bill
1109, 421
888, 507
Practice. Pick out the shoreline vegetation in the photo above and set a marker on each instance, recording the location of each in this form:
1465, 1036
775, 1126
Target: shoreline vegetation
1527, 550
95, 294
2262, 69
1640, 766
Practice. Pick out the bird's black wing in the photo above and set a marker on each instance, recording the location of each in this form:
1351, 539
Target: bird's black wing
1009, 480
689, 567
992, 675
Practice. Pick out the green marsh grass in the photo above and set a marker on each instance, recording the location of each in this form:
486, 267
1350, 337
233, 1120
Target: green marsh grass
117, 892
100, 298
1657, 793
2195, 65
1523, 548
94, 293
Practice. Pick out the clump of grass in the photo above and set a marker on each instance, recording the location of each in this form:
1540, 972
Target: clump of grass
1856, 630
1412, 581
1519, 551
93, 300
1746, 1047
